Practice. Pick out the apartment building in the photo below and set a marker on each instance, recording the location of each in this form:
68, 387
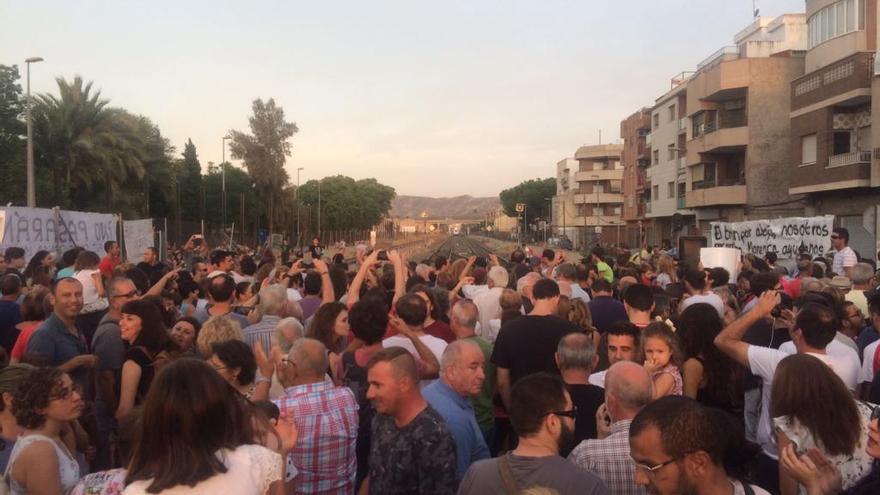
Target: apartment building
635, 157
667, 167
563, 210
834, 147
737, 136
597, 193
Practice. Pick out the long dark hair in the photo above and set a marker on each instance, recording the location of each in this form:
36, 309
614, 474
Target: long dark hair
35, 265
323, 323
154, 336
698, 326
189, 414
808, 390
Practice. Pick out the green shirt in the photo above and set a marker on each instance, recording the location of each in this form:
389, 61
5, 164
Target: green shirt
605, 271
482, 402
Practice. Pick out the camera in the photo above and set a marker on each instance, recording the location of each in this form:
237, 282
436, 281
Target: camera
785, 302
382, 256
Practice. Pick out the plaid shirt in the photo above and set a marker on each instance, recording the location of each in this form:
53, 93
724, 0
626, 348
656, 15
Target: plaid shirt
327, 419
609, 459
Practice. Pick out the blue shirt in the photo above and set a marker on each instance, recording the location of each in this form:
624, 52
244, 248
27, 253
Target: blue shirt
459, 416
55, 342
606, 311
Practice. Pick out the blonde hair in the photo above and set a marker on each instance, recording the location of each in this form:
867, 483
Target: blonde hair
510, 300
665, 264
579, 314
217, 329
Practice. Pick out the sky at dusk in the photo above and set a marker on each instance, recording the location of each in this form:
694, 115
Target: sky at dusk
432, 98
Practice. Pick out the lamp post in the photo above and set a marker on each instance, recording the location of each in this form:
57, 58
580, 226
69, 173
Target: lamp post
31, 188
550, 200
223, 183
296, 197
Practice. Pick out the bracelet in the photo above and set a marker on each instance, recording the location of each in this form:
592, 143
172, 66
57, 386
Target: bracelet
262, 379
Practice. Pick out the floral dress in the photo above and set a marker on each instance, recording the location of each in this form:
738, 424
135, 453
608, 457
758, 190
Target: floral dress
853, 466
673, 371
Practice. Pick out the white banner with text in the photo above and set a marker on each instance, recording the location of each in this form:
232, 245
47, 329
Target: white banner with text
784, 236
53, 230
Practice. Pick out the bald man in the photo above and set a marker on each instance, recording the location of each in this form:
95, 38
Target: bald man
326, 417
411, 449
576, 357
461, 377
628, 388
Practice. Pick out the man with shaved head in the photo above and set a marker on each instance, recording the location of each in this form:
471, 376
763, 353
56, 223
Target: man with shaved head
411, 449
628, 388
326, 417
461, 377
463, 322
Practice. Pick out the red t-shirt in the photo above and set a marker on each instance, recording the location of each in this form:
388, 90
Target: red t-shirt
107, 265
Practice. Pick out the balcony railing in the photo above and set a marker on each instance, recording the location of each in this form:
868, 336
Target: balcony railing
721, 52
850, 158
733, 119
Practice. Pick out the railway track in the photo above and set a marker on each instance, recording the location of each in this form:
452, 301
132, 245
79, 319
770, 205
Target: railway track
456, 247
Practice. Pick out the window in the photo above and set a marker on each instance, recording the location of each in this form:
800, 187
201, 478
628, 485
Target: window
671, 111
617, 210
837, 19
841, 142
656, 154
808, 149
656, 120
670, 189
615, 186
655, 193
670, 153
598, 187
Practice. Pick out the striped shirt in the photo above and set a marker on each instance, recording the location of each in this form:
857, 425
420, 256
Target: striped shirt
261, 331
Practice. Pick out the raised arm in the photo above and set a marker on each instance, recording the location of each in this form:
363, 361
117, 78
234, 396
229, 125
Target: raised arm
467, 268
399, 274
354, 290
156, 290
730, 342
432, 366
327, 293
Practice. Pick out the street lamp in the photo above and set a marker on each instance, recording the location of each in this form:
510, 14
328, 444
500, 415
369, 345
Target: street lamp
31, 188
223, 183
296, 197
550, 200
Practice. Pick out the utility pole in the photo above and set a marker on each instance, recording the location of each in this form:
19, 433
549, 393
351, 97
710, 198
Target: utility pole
31, 187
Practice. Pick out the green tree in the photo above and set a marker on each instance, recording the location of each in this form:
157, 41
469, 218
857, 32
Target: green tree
346, 203
533, 193
189, 176
264, 152
12, 137
239, 185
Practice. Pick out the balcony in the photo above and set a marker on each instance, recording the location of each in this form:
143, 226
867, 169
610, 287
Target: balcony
850, 158
594, 175
593, 198
850, 76
718, 195
681, 204
648, 140
719, 54
717, 140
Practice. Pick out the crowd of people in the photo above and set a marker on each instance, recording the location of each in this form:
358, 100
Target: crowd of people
622, 371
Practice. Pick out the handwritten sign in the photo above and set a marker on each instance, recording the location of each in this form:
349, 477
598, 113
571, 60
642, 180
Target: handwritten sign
784, 236
38, 229
138, 237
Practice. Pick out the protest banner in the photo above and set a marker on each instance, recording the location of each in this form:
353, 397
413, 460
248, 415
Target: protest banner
784, 236
721, 257
138, 235
53, 230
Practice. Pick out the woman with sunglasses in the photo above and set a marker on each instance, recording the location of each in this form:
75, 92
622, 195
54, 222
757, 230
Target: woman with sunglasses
44, 402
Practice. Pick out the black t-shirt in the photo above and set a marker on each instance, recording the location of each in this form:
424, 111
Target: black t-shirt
587, 399
528, 345
418, 458
154, 272
317, 251
142, 359
606, 311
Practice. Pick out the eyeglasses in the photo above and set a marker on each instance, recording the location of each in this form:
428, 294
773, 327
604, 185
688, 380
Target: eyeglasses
572, 413
129, 294
652, 470
64, 393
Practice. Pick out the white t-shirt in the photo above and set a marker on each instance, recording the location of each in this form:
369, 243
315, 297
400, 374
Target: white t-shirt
763, 362
847, 361
250, 471
90, 290
472, 291
598, 379
489, 307
844, 258
437, 346
867, 373
710, 298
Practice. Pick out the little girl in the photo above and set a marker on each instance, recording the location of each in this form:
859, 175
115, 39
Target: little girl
662, 359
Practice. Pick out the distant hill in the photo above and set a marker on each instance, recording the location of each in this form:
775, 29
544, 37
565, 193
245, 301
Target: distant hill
459, 207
